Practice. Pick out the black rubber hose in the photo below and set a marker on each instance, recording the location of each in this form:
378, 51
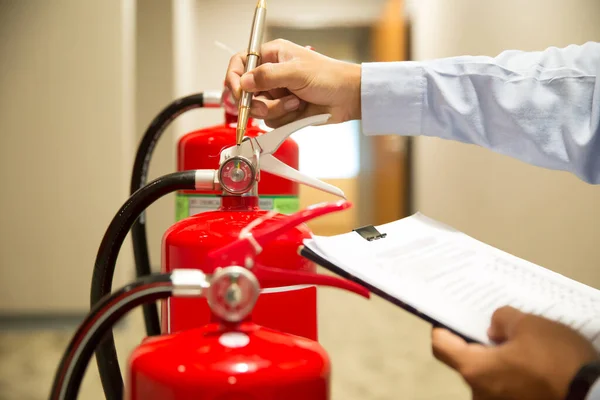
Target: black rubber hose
101, 318
139, 177
104, 268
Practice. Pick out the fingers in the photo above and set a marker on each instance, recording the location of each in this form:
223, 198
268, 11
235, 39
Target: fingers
304, 110
235, 70
258, 107
476, 363
504, 322
278, 93
449, 348
287, 118
271, 76
278, 108
271, 52
273, 109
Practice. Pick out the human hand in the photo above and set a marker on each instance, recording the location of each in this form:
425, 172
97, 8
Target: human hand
293, 82
535, 358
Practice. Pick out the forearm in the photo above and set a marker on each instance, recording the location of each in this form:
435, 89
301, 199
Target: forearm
542, 108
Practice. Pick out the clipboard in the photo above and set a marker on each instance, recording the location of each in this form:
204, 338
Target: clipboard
451, 280
370, 233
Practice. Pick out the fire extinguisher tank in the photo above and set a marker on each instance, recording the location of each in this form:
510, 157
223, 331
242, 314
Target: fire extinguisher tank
187, 243
210, 363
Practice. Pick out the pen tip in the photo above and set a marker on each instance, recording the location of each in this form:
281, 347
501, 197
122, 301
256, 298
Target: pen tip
261, 4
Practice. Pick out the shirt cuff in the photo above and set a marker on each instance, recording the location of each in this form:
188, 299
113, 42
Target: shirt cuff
392, 98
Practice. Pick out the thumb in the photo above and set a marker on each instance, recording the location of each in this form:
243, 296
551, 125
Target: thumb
271, 76
449, 348
504, 322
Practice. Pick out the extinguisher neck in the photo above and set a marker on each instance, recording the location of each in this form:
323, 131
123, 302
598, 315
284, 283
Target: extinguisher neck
231, 326
239, 203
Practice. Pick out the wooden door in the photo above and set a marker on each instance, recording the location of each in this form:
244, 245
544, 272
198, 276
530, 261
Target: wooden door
389, 153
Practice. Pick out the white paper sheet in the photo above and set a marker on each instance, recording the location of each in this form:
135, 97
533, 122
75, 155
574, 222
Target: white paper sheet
457, 280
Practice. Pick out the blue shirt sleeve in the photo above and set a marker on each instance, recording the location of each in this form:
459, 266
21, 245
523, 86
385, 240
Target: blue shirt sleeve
541, 107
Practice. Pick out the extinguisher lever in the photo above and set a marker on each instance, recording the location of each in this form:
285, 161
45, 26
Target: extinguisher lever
265, 235
285, 277
266, 145
271, 141
251, 239
276, 167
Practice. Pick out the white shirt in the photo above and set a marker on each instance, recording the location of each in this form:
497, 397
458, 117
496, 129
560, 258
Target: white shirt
542, 107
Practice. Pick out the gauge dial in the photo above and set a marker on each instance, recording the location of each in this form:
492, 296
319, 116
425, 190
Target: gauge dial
233, 293
237, 175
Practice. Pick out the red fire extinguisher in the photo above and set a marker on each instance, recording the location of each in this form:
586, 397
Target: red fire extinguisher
232, 358
200, 149
187, 244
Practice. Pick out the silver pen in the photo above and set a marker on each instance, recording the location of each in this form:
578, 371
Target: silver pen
256, 38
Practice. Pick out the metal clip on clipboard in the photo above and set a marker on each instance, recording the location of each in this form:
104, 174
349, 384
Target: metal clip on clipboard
369, 232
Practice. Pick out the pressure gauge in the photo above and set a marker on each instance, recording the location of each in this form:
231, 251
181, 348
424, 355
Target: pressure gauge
233, 293
237, 175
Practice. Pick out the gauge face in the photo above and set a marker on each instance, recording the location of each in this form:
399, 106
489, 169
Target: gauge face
237, 175
233, 293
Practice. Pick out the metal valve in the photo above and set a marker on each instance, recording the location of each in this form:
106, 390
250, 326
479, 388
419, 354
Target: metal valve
233, 293
240, 166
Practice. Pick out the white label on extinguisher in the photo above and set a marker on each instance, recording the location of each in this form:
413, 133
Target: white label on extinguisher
187, 205
202, 204
265, 203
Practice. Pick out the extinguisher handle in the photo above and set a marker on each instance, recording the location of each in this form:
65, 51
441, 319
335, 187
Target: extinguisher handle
264, 146
265, 235
251, 240
269, 142
277, 167
285, 277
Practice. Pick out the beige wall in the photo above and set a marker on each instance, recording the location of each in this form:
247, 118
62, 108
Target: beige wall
547, 217
66, 138
154, 84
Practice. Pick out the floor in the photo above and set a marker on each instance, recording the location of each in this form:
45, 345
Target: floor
378, 352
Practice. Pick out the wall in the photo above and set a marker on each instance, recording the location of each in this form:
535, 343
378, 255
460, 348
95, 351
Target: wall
66, 103
154, 91
548, 217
